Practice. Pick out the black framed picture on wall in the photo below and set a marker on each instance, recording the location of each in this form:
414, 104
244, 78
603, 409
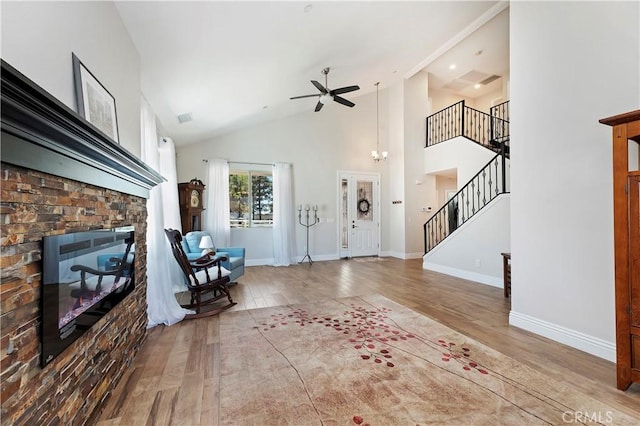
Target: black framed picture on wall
94, 101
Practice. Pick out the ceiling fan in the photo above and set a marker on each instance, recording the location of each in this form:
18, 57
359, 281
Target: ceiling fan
326, 95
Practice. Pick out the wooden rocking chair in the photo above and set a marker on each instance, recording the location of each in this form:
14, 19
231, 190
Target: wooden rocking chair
206, 283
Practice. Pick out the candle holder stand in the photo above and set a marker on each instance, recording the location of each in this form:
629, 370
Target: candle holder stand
308, 225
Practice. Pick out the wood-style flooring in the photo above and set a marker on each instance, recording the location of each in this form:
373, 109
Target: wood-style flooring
174, 379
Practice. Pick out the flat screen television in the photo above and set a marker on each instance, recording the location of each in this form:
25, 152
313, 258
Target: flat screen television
84, 275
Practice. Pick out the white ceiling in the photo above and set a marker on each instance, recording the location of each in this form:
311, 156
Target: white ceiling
484, 53
234, 64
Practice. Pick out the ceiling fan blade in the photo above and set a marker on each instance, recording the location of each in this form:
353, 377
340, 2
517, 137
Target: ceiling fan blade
319, 106
319, 86
304, 96
343, 101
344, 90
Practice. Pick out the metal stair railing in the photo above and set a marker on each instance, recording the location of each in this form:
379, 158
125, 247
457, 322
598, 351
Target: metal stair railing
489, 130
481, 189
500, 111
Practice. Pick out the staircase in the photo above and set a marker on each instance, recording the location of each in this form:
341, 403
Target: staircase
492, 132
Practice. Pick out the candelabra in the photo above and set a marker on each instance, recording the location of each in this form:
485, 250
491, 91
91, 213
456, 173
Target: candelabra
308, 225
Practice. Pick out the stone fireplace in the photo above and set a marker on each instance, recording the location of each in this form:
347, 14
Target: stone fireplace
60, 175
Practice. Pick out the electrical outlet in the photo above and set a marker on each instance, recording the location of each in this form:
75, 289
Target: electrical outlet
477, 263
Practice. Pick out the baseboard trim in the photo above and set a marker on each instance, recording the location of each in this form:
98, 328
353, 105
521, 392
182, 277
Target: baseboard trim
269, 261
575, 339
400, 255
467, 275
258, 262
320, 257
417, 255
335, 256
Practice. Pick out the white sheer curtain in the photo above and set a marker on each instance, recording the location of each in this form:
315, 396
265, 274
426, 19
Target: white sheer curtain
284, 245
167, 151
216, 215
162, 306
171, 205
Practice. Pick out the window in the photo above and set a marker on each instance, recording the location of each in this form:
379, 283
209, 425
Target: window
250, 198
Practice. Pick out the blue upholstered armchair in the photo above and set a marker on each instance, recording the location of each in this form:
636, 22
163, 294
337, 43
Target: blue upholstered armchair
235, 255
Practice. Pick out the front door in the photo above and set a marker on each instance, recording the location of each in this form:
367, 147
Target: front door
359, 214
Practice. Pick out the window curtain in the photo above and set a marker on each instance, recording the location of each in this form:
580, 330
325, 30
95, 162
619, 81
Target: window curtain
216, 215
284, 248
162, 306
171, 205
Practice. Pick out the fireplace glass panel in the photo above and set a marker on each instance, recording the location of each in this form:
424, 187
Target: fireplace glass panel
85, 274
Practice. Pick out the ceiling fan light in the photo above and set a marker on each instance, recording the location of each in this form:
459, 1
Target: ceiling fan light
385, 155
325, 99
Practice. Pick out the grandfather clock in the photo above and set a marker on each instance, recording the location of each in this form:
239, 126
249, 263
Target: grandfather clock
190, 196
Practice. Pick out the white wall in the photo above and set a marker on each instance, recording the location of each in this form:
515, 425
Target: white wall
39, 37
484, 103
473, 251
459, 153
417, 196
441, 99
396, 224
572, 63
317, 145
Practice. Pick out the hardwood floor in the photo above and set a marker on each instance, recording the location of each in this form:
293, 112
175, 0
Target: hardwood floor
174, 378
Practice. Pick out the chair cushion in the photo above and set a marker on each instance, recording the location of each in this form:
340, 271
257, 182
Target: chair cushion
194, 256
201, 275
235, 262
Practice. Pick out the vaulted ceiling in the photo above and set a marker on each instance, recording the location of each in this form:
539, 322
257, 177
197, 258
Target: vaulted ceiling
235, 64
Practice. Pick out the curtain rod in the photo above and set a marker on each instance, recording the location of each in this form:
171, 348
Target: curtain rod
244, 162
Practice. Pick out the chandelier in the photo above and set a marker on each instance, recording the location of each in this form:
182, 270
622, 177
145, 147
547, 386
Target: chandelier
376, 154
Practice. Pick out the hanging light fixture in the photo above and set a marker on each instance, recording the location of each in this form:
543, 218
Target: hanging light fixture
376, 154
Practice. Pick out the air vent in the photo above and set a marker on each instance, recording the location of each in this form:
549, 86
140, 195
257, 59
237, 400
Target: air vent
474, 76
489, 79
184, 118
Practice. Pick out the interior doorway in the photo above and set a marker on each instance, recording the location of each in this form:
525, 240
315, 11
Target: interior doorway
359, 214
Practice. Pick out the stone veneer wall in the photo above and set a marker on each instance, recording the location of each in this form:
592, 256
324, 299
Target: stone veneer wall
72, 387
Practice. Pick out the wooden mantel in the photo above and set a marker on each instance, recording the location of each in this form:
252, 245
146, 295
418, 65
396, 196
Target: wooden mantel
41, 133
626, 211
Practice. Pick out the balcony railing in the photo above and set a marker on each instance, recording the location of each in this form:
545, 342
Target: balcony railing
461, 120
445, 124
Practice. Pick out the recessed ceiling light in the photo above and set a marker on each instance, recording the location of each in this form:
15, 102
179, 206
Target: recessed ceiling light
452, 66
477, 86
308, 8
